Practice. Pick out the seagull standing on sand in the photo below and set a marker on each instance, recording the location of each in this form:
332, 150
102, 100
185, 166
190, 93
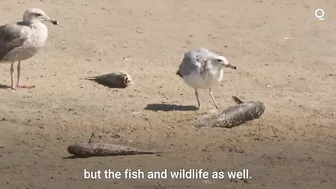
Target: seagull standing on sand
203, 69
22, 40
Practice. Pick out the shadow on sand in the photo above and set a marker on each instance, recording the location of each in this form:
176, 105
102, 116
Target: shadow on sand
169, 107
4, 86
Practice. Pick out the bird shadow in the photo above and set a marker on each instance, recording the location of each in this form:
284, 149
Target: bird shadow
4, 86
169, 107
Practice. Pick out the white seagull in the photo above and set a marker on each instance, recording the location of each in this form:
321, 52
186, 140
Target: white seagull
203, 69
22, 40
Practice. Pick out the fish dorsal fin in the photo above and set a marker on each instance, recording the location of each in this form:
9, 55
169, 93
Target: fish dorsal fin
237, 100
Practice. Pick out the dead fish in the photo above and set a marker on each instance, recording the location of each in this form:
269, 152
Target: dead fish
117, 79
234, 115
85, 150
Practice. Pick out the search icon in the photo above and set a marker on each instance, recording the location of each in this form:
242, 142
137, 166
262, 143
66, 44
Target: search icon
319, 13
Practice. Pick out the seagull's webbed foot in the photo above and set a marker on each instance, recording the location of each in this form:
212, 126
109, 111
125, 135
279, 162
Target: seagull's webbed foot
25, 86
14, 87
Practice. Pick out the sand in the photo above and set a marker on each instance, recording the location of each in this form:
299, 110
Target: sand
285, 56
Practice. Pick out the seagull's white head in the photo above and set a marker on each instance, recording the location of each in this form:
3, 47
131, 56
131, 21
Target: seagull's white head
221, 61
35, 14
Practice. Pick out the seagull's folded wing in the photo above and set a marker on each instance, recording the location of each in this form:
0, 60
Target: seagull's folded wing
11, 37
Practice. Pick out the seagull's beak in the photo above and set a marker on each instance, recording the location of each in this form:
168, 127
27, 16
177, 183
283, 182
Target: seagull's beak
51, 20
228, 65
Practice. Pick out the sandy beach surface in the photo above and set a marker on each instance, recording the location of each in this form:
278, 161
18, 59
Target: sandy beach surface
285, 57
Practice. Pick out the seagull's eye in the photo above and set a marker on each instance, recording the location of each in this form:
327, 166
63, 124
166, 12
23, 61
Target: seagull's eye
38, 14
219, 60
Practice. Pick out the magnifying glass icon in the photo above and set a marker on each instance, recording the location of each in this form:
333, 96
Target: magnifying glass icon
319, 13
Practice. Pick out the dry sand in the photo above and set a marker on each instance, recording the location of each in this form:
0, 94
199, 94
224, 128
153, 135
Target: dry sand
291, 146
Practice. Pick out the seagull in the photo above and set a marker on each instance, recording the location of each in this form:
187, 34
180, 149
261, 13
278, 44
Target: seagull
203, 69
22, 40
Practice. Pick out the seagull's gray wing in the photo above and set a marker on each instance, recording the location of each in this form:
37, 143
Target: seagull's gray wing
189, 63
193, 60
10, 38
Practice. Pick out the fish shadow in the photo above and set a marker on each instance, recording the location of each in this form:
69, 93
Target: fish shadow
70, 157
169, 107
4, 86
104, 83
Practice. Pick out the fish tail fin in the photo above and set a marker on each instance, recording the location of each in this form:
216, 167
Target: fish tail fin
179, 74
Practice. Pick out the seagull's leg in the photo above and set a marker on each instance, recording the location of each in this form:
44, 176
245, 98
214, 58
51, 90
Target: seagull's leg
198, 101
18, 78
213, 99
18, 73
12, 75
